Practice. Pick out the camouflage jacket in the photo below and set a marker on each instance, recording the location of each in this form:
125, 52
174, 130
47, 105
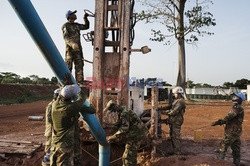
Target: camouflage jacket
130, 126
177, 111
71, 33
234, 120
64, 115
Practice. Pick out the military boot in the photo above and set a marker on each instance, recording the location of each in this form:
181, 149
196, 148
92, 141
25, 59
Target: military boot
220, 154
236, 162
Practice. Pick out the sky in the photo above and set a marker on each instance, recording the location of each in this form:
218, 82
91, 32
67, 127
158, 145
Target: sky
223, 57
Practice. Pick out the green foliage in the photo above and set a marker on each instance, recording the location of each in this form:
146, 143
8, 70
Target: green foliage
54, 80
241, 84
228, 85
12, 78
176, 21
190, 84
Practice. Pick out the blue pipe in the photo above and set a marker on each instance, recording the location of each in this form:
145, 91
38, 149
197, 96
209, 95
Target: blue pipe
32, 22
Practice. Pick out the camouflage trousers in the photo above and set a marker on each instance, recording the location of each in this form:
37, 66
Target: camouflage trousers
48, 144
48, 135
129, 157
61, 156
77, 146
234, 142
75, 57
175, 135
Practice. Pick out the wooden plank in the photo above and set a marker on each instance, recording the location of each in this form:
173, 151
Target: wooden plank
18, 148
14, 141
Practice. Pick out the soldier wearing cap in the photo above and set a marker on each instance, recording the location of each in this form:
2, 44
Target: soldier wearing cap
130, 129
64, 113
233, 129
71, 34
48, 128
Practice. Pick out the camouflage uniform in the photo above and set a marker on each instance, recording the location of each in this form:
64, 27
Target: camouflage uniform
48, 127
77, 150
175, 121
132, 129
71, 34
233, 130
64, 115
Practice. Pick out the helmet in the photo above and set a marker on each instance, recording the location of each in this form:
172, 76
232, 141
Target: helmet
178, 89
240, 95
110, 106
69, 12
69, 91
57, 91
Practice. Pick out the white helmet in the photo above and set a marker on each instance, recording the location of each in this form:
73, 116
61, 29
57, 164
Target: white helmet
57, 91
69, 91
178, 89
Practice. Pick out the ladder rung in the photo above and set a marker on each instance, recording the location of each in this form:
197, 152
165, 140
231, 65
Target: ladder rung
111, 43
112, 7
112, 91
111, 28
111, 53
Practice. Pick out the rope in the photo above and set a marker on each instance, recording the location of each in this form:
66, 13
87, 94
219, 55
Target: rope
115, 160
121, 156
89, 154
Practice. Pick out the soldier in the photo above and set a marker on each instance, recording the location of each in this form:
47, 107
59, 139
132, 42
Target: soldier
64, 113
130, 129
233, 129
71, 34
48, 129
175, 120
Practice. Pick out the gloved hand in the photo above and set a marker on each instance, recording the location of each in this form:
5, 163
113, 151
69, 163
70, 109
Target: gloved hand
110, 139
169, 112
75, 46
214, 123
218, 122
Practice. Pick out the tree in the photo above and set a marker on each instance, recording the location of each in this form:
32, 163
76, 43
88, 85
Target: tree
190, 84
53, 80
9, 77
183, 25
228, 84
34, 78
241, 84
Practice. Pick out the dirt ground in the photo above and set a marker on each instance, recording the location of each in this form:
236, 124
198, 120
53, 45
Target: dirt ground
199, 115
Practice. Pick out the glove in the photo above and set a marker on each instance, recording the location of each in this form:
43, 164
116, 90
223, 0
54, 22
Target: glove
110, 139
75, 46
218, 122
214, 123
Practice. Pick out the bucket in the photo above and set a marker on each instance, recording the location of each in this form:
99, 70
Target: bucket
198, 135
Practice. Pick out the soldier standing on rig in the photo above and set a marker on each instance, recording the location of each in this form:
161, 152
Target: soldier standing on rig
71, 34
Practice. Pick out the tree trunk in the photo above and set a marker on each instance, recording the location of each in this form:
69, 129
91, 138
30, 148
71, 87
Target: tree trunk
181, 77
